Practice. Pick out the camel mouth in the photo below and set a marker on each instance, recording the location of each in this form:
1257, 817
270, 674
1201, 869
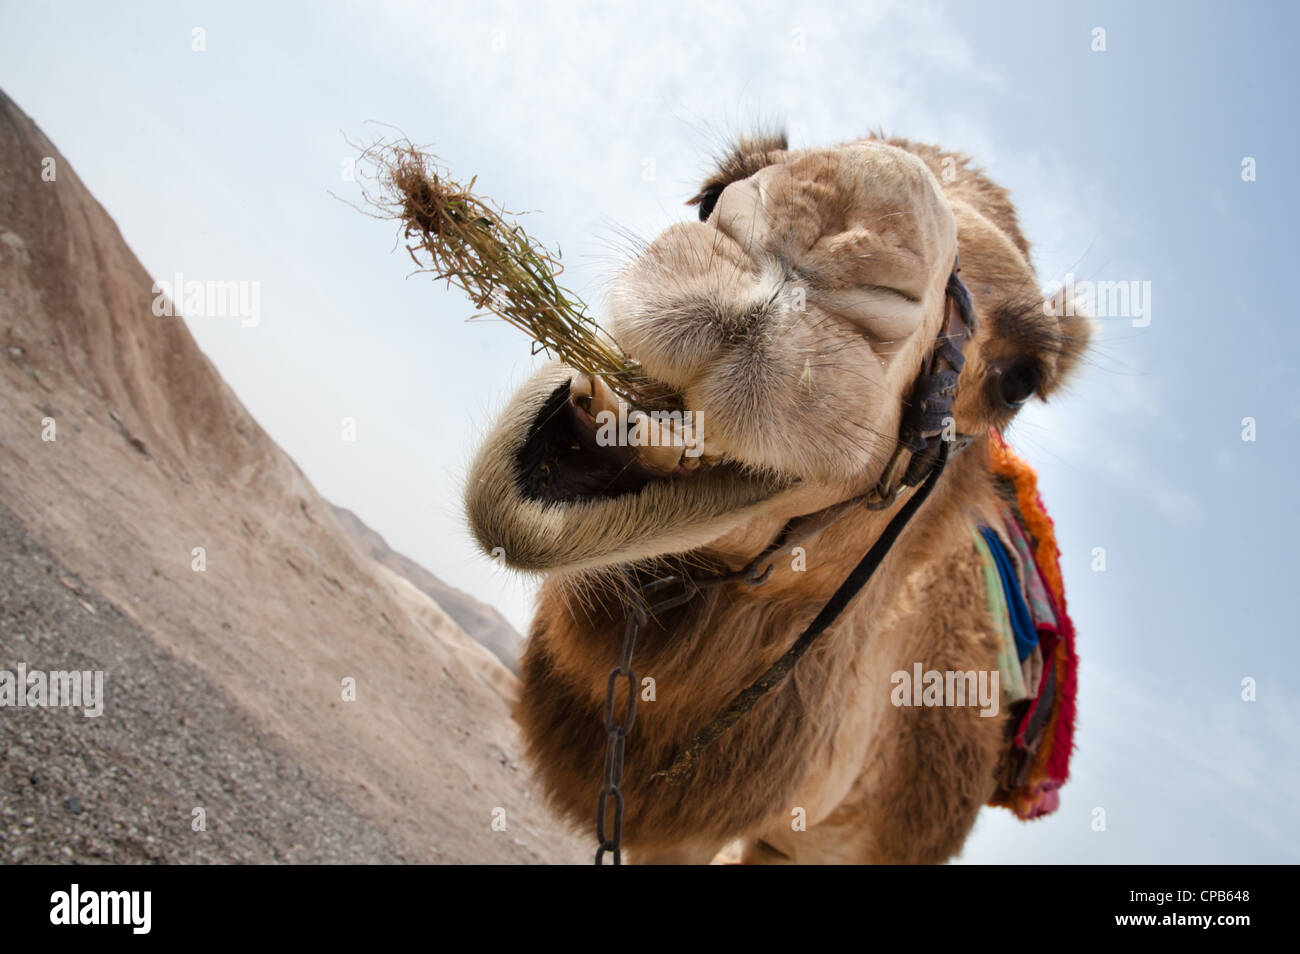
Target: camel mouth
587, 444
550, 491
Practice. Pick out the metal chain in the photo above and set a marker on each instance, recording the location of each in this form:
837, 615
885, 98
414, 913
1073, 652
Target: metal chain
617, 730
639, 611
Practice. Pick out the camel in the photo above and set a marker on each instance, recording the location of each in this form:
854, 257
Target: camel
794, 319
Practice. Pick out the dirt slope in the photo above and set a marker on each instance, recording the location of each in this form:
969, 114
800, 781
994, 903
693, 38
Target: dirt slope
476, 618
153, 457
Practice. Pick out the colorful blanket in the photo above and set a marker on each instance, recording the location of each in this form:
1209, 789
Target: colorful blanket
1022, 571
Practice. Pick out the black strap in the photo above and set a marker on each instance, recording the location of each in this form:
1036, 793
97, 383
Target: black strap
683, 767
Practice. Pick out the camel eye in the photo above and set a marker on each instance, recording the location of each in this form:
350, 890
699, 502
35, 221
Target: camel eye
1016, 384
709, 199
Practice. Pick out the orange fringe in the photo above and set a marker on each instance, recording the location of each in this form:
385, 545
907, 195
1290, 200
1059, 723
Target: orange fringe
1007, 464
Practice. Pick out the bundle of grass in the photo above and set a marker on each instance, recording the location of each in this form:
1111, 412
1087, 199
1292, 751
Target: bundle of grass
474, 244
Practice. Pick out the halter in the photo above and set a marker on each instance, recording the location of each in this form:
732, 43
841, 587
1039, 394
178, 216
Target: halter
922, 452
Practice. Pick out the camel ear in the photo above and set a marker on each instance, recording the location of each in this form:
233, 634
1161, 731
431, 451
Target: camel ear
1059, 304
1072, 332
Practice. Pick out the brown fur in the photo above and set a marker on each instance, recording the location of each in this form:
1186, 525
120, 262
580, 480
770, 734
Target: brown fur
876, 783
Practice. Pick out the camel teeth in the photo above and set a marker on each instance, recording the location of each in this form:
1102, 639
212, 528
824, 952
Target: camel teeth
581, 388
603, 397
662, 446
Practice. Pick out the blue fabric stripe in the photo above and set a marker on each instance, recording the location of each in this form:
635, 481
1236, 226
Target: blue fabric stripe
1022, 623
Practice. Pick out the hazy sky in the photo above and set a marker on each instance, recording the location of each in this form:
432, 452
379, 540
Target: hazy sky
1126, 165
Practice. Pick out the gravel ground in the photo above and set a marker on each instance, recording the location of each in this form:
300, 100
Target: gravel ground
122, 787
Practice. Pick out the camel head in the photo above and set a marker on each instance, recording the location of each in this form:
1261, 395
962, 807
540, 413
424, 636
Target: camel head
790, 322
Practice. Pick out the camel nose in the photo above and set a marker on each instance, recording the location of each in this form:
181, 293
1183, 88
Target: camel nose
741, 214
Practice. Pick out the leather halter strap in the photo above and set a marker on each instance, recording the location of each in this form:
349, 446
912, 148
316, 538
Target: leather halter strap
929, 409
926, 418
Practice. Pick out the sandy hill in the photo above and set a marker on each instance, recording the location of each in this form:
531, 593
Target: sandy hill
224, 686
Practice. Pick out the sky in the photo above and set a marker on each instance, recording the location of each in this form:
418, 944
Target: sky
230, 163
